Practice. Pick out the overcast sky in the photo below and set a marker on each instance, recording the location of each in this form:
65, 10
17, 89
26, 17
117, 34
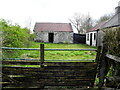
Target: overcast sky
23, 12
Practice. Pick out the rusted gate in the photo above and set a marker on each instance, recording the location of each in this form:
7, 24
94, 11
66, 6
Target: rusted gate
55, 73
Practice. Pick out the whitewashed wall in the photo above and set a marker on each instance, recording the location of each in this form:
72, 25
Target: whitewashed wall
59, 37
87, 38
93, 40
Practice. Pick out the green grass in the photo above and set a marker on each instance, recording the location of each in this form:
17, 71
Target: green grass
61, 46
22, 65
61, 55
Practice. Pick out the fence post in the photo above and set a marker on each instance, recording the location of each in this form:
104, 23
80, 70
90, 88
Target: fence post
102, 67
98, 54
41, 55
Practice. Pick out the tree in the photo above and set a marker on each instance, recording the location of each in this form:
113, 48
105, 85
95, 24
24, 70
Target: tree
105, 17
87, 23
13, 36
81, 23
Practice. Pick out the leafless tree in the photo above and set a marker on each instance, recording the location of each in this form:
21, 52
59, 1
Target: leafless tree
81, 23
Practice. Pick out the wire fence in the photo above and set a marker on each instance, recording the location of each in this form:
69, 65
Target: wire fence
8, 48
48, 54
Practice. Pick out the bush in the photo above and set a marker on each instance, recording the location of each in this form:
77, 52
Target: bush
112, 40
14, 36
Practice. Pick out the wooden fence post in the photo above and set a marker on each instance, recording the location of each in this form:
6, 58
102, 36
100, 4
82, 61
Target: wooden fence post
98, 54
97, 60
102, 67
41, 55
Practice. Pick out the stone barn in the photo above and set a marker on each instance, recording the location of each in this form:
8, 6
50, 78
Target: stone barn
54, 32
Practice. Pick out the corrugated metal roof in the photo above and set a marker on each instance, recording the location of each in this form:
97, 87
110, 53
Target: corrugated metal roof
59, 27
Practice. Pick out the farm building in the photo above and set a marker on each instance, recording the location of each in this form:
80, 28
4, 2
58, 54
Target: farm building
115, 20
54, 32
112, 23
92, 35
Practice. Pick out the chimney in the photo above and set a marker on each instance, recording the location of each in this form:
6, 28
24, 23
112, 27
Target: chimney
117, 9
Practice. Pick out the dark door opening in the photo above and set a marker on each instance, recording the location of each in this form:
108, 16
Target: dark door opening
91, 39
51, 37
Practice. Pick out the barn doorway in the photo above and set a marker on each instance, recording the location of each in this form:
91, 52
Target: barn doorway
51, 37
91, 39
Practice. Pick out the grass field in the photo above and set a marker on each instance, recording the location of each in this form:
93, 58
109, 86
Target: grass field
61, 55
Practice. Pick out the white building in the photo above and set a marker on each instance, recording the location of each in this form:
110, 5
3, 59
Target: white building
92, 35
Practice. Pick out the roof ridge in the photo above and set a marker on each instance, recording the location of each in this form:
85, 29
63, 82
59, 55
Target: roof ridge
97, 26
102, 27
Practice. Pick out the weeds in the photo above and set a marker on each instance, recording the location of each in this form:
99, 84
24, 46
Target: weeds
61, 55
56, 55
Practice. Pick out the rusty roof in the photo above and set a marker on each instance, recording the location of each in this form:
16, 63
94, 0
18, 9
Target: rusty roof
97, 27
58, 27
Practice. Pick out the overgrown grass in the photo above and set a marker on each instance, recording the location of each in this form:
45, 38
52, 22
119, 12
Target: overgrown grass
61, 46
61, 55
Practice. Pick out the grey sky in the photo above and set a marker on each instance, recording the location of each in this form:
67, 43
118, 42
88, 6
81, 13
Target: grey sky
23, 12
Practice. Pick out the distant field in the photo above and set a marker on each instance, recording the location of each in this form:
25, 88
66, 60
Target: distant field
61, 55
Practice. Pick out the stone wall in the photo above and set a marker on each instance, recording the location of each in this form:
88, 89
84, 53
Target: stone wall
59, 37
41, 37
